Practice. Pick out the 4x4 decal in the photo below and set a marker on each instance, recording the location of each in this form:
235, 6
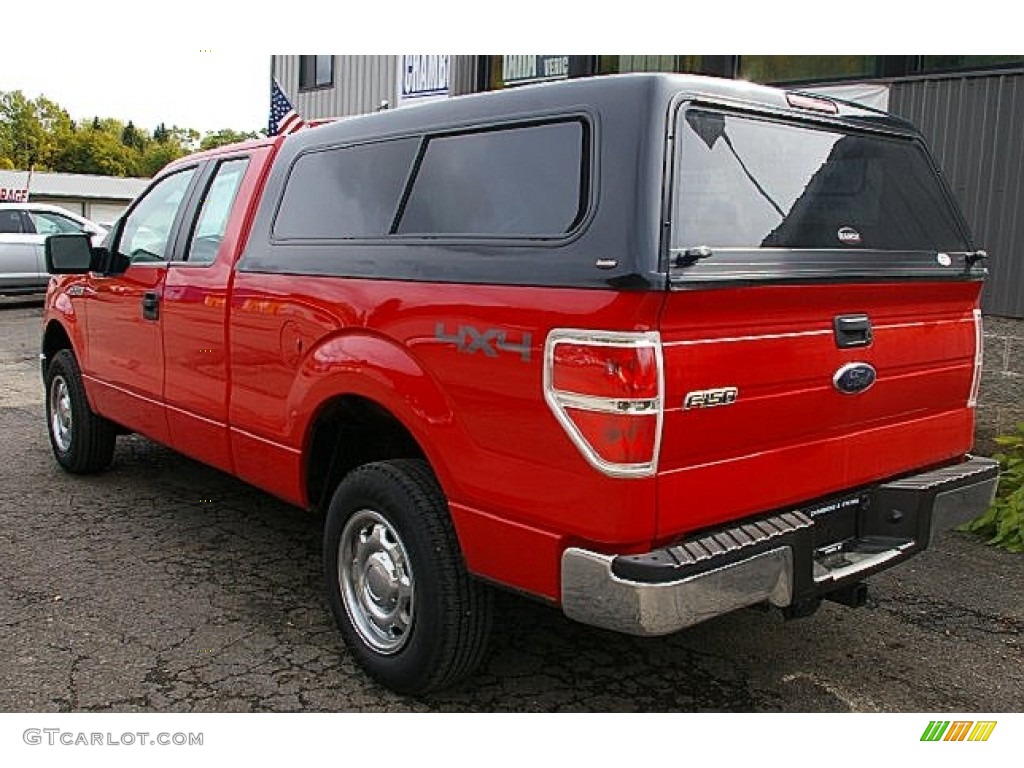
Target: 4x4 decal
469, 340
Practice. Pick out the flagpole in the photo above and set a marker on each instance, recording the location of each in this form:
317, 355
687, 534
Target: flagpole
28, 183
270, 90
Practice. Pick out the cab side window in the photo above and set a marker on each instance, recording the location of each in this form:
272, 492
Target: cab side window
146, 236
10, 223
47, 223
216, 209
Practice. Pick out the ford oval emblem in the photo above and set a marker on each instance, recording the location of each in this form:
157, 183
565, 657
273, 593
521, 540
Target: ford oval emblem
854, 378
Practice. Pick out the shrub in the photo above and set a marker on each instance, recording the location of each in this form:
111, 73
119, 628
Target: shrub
1003, 523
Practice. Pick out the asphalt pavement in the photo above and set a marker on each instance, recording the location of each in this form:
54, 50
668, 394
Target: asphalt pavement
163, 585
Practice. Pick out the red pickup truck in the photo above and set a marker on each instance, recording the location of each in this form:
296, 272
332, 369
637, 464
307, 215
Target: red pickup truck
651, 348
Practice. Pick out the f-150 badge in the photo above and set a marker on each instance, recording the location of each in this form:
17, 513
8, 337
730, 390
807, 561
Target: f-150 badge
710, 398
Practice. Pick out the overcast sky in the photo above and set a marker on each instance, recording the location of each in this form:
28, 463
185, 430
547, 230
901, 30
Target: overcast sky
191, 89
206, 65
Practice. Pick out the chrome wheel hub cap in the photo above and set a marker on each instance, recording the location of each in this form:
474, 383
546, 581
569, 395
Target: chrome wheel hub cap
376, 581
60, 413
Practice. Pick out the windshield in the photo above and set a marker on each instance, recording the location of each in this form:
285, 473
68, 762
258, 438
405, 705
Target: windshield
744, 182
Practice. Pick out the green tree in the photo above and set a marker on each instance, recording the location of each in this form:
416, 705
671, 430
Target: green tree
132, 137
98, 149
184, 137
225, 136
57, 128
22, 137
41, 133
157, 155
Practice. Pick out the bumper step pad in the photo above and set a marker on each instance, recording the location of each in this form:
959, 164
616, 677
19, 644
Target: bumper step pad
785, 557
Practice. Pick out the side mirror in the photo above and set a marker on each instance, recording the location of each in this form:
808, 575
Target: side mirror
70, 254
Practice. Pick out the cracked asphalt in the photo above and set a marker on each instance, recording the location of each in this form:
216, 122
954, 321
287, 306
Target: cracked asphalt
163, 585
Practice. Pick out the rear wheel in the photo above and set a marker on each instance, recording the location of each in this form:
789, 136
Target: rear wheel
82, 440
411, 615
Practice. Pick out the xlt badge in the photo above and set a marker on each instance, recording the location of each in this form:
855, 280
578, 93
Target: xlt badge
709, 398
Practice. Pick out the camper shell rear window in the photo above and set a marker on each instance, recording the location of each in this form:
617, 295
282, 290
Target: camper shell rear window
749, 182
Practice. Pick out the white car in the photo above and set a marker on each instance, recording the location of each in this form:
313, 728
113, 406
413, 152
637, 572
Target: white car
24, 228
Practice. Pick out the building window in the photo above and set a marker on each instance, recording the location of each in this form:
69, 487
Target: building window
506, 71
609, 65
788, 69
316, 72
718, 66
951, 63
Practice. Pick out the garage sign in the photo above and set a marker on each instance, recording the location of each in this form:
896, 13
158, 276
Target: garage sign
12, 195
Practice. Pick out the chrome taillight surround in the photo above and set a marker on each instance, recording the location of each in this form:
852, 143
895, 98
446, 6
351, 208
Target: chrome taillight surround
559, 400
979, 357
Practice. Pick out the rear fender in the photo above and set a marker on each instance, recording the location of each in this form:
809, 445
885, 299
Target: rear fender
376, 368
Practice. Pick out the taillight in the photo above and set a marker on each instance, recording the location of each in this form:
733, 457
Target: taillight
979, 354
605, 389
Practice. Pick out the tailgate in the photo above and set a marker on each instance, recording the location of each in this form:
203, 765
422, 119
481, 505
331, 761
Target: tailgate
789, 433
820, 331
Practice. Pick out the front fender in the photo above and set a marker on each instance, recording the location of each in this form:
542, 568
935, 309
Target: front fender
64, 320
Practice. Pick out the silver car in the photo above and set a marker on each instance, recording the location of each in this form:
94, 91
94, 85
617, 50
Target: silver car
24, 228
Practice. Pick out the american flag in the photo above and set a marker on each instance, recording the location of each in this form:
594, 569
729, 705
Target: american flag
283, 117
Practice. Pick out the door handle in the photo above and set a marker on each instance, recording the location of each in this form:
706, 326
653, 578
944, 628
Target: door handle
852, 331
151, 305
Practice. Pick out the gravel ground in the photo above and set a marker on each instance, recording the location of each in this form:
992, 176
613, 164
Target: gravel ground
163, 585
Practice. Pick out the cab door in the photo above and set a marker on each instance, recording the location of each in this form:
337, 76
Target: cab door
124, 369
21, 253
195, 309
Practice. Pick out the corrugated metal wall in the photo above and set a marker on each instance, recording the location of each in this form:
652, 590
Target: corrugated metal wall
975, 126
361, 83
463, 75
647, 63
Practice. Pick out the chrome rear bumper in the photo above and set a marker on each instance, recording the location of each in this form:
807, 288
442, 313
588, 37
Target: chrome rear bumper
778, 559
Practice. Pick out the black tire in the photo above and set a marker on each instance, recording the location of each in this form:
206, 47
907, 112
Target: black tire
449, 613
82, 440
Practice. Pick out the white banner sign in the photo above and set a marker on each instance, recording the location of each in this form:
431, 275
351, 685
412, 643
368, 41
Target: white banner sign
423, 77
517, 70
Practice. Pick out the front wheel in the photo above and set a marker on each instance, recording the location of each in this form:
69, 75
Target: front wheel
82, 440
409, 612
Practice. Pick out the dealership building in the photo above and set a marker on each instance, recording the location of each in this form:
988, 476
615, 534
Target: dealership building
970, 109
